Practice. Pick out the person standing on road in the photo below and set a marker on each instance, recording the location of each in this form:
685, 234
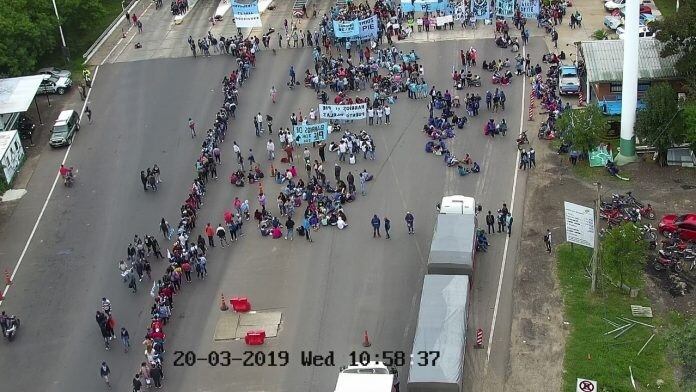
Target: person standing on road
387, 114
508, 221
103, 328
104, 372
166, 229
143, 179
547, 240
274, 94
88, 112
192, 127
222, 235
137, 384
409, 222
322, 151
337, 172
387, 226
376, 223
532, 158
209, 232
290, 226
501, 222
490, 222
125, 339
363, 180
270, 149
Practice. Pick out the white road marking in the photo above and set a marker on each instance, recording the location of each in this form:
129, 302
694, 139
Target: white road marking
121, 40
507, 238
48, 197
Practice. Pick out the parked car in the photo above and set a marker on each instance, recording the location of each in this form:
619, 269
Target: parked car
614, 5
54, 85
56, 72
568, 80
643, 32
684, 225
64, 129
613, 22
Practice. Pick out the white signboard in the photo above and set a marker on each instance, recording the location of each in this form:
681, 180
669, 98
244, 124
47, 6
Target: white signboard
580, 225
343, 112
443, 20
586, 385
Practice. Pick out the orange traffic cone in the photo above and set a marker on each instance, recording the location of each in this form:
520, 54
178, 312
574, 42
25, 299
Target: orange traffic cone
366, 340
223, 305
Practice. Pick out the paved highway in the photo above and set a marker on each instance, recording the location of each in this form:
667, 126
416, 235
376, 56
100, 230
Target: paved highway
329, 291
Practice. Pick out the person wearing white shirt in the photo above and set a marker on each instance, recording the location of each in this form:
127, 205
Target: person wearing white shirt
270, 148
379, 115
312, 115
370, 116
342, 149
387, 113
341, 224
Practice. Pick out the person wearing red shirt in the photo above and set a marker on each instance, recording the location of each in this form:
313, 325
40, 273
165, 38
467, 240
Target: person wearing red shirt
210, 232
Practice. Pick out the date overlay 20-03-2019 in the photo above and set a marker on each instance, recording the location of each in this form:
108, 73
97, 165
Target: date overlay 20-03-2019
306, 358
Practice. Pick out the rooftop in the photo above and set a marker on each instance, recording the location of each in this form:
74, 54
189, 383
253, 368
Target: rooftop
604, 60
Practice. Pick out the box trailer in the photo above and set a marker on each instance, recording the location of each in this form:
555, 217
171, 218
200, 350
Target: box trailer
453, 247
440, 335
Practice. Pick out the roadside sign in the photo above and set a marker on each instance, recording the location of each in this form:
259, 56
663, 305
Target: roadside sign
580, 224
586, 385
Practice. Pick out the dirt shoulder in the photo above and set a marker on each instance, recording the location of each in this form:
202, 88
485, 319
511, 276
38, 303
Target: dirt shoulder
538, 333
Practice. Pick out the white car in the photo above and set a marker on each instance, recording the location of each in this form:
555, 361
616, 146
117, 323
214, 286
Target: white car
613, 22
643, 32
614, 4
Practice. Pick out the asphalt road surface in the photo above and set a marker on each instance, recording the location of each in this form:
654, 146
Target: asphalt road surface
329, 291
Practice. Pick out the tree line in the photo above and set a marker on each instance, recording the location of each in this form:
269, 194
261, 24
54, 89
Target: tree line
29, 30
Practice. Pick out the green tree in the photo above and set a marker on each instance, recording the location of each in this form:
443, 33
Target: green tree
682, 342
661, 123
78, 17
623, 253
690, 123
27, 32
678, 32
583, 127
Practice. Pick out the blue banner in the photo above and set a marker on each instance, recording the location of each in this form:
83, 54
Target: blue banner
310, 133
479, 8
505, 8
529, 8
246, 15
346, 29
424, 5
354, 29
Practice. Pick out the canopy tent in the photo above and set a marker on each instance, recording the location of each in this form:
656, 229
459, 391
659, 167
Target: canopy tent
452, 248
16, 95
441, 329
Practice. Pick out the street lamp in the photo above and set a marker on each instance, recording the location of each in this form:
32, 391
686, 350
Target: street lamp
66, 51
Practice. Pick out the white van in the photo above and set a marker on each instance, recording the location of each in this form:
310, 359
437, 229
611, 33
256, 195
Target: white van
373, 377
458, 204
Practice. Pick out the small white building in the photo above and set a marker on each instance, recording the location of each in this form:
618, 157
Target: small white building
11, 155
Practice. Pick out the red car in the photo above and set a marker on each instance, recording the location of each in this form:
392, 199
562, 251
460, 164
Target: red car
684, 225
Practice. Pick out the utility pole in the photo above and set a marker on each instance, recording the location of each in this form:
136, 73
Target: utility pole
64, 48
595, 250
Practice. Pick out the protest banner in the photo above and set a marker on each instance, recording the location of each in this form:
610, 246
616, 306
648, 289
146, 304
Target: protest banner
343, 112
529, 8
310, 133
504, 8
247, 14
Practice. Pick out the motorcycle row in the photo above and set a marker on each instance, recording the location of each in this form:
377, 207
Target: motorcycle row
673, 253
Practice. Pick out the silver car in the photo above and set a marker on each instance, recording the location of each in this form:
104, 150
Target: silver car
54, 85
57, 72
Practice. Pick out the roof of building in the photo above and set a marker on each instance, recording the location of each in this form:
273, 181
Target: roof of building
16, 94
604, 60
